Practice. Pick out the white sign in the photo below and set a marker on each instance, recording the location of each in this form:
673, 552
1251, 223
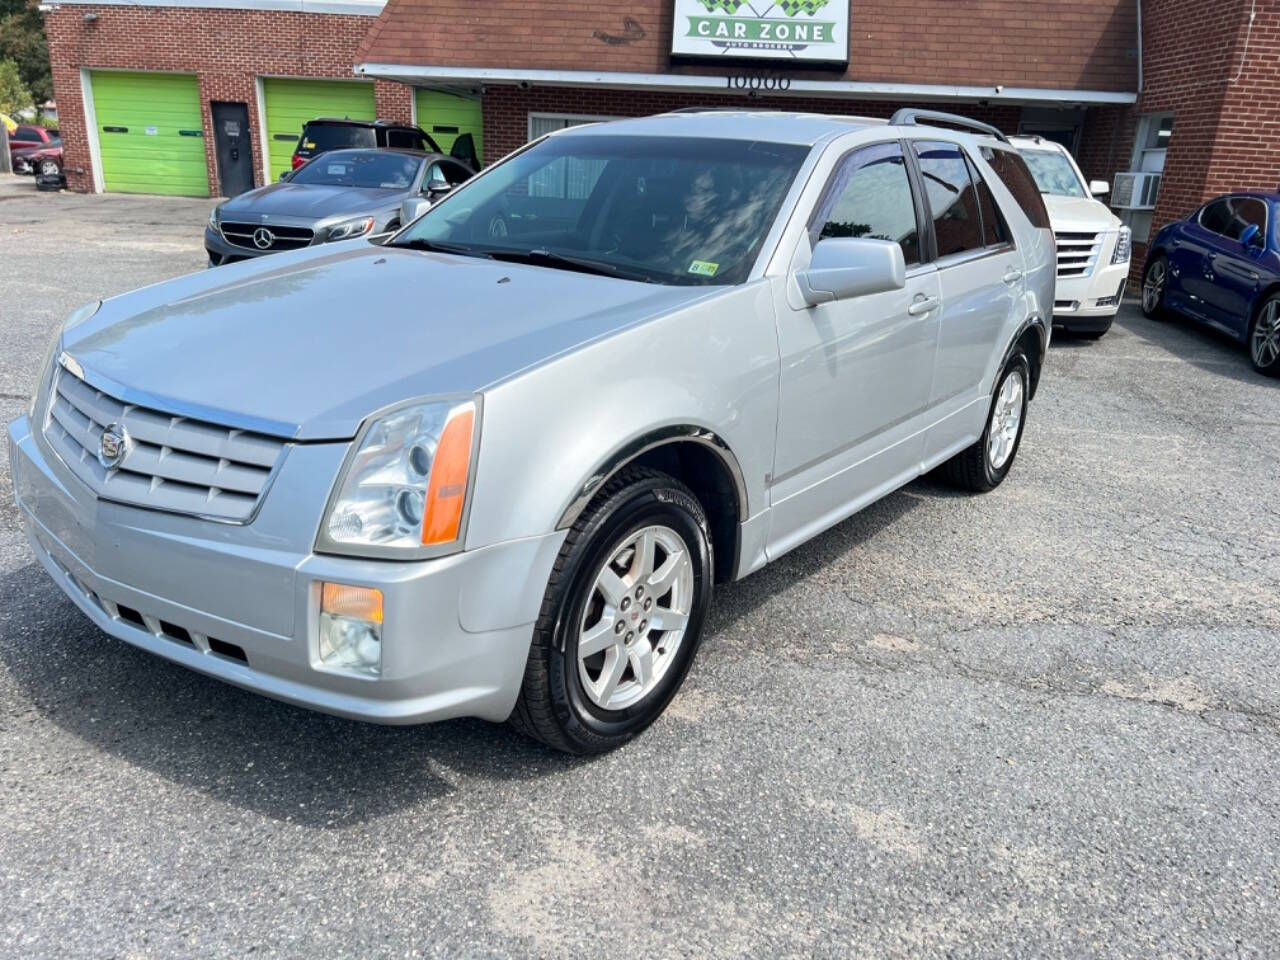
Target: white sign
805, 30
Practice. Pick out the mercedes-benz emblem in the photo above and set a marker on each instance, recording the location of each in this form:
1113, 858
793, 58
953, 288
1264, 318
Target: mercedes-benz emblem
113, 446
263, 238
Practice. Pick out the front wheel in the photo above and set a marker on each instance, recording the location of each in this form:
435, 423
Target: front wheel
622, 616
1155, 283
1264, 338
50, 168
984, 465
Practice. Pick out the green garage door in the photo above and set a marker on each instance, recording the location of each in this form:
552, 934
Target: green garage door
291, 103
150, 133
447, 117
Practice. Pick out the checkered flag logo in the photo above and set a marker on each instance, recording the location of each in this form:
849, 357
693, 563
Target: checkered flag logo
789, 7
792, 7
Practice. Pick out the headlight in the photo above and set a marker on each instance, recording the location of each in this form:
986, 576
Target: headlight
213, 219
46, 363
403, 490
1124, 245
350, 228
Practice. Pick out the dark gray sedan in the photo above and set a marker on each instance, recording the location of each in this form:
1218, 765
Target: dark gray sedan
337, 196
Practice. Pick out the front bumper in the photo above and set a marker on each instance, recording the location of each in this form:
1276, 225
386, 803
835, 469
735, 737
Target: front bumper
1079, 303
241, 603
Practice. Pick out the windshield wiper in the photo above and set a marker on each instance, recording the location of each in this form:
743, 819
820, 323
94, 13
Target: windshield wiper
550, 258
435, 246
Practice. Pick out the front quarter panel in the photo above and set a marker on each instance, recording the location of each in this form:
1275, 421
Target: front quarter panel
712, 364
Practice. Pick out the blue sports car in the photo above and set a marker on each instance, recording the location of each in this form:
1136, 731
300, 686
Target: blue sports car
1221, 265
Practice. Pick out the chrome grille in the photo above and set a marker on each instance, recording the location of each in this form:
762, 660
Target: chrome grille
282, 238
170, 463
1077, 253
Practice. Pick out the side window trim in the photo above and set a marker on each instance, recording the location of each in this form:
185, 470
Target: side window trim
828, 189
964, 256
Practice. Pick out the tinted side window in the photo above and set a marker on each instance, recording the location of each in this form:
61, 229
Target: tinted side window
870, 196
1013, 173
953, 201
406, 139
1216, 217
1230, 215
27, 133
455, 173
333, 136
994, 230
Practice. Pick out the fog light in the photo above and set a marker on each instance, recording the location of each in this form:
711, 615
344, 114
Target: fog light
351, 628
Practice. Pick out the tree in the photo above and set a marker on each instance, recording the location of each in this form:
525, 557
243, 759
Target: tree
14, 95
22, 41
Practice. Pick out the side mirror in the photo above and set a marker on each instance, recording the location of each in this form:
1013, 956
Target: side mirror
411, 208
438, 188
284, 176
1099, 188
1249, 236
846, 267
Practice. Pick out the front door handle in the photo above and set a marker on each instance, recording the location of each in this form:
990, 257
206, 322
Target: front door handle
923, 305
1013, 275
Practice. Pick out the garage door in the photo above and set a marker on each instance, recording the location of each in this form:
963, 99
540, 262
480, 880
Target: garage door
291, 103
150, 134
446, 117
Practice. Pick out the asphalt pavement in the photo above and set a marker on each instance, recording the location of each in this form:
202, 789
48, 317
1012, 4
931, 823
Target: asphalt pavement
1040, 722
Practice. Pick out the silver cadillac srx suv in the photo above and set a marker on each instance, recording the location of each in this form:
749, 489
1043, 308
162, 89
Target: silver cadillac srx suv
494, 466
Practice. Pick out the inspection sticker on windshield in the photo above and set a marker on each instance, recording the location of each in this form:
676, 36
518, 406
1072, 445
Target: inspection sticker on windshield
704, 268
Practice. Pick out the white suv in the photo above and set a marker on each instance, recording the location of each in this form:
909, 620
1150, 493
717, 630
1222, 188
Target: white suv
1093, 246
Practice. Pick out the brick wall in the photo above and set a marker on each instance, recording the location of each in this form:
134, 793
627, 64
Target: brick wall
1225, 101
507, 109
226, 49
1082, 44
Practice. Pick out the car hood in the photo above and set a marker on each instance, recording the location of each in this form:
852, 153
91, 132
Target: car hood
313, 201
1079, 214
307, 344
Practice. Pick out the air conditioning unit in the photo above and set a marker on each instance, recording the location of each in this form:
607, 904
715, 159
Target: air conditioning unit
1136, 190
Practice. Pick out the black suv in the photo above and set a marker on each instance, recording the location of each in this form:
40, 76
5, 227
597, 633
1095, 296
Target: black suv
325, 133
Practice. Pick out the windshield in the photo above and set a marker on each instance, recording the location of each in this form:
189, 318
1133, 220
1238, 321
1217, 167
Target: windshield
677, 210
335, 136
374, 170
1054, 173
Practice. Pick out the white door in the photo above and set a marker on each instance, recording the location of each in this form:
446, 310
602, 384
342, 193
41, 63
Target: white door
856, 374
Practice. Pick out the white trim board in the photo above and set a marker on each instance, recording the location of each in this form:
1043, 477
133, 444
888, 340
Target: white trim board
363, 8
412, 74
91, 129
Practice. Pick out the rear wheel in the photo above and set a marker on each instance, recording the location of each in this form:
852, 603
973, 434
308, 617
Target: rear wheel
622, 616
984, 465
50, 168
1264, 338
1155, 282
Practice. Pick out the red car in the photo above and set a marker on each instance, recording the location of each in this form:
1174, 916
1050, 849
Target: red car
43, 161
28, 135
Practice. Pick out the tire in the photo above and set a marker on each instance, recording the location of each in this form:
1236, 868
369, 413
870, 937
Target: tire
568, 702
978, 467
1264, 337
49, 168
1155, 284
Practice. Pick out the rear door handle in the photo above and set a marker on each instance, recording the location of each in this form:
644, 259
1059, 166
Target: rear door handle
1013, 275
923, 305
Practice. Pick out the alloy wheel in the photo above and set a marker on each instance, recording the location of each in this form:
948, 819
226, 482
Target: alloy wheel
635, 617
1266, 335
1153, 287
1006, 418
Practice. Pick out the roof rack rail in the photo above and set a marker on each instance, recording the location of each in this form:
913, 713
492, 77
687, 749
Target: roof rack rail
712, 110
909, 116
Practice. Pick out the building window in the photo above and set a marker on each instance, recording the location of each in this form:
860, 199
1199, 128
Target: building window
1149, 149
544, 123
563, 179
